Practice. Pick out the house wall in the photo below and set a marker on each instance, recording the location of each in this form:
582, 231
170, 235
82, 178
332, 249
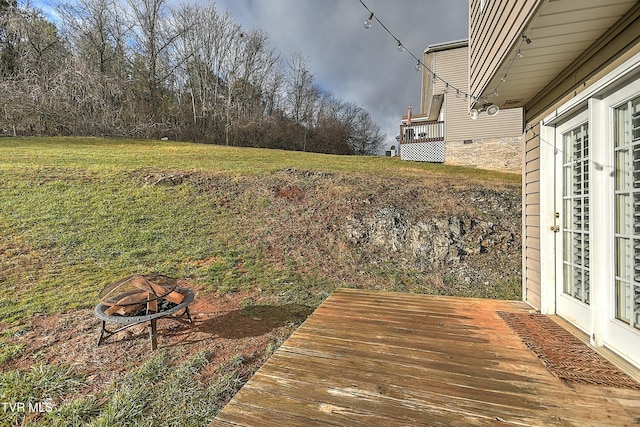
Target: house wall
453, 65
610, 51
531, 223
427, 86
505, 154
489, 142
586, 92
492, 33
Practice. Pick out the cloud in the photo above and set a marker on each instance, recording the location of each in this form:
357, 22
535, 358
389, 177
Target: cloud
358, 65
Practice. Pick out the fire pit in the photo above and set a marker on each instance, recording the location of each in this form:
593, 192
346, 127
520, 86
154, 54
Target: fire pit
140, 299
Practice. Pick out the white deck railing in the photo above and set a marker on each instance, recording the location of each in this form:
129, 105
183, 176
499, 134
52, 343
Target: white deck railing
422, 132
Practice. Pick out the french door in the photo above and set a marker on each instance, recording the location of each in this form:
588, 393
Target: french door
573, 200
596, 167
598, 289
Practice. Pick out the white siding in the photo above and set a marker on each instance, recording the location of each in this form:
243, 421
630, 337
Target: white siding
492, 33
453, 66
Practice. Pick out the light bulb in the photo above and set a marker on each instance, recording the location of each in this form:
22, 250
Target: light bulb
418, 66
400, 47
368, 22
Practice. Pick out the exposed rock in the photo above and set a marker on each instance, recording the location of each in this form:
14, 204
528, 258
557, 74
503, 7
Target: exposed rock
436, 241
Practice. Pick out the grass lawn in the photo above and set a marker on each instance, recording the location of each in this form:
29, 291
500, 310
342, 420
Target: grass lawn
78, 214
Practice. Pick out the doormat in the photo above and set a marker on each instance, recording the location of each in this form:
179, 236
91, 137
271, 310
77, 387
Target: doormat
564, 355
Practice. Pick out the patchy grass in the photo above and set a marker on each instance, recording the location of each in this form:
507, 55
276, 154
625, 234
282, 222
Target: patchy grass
158, 393
79, 214
102, 156
8, 351
38, 388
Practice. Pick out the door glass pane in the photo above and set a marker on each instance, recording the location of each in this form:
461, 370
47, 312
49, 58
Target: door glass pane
575, 202
627, 214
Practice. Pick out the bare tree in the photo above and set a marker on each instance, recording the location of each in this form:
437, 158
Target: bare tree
8, 8
211, 71
260, 62
139, 67
93, 29
36, 54
154, 36
301, 94
366, 137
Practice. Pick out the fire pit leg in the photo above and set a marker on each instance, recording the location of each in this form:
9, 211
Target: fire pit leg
101, 333
152, 334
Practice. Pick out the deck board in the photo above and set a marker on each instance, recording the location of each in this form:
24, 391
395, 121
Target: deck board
368, 358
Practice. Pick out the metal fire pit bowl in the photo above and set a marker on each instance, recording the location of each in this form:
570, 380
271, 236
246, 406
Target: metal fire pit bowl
129, 321
113, 293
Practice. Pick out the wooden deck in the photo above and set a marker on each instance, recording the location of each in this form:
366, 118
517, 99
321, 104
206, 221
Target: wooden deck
370, 358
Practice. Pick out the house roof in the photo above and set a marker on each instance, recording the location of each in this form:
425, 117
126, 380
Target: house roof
446, 46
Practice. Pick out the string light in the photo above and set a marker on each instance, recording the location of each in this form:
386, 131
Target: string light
401, 48
491, 108
517, 55
368, 22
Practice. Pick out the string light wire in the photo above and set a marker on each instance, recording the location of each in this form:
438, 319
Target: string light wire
459, 92
435, 77
401, 47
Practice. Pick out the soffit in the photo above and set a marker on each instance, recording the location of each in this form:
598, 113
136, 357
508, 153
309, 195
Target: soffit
560, 32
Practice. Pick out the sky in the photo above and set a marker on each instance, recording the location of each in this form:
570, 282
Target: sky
355, 64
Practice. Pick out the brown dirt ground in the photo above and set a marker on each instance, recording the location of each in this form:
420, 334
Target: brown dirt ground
227, 326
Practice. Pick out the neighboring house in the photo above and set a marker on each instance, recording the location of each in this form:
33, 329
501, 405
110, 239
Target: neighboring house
442, 130
574, 66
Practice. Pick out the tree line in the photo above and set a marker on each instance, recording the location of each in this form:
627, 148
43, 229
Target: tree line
143, 69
